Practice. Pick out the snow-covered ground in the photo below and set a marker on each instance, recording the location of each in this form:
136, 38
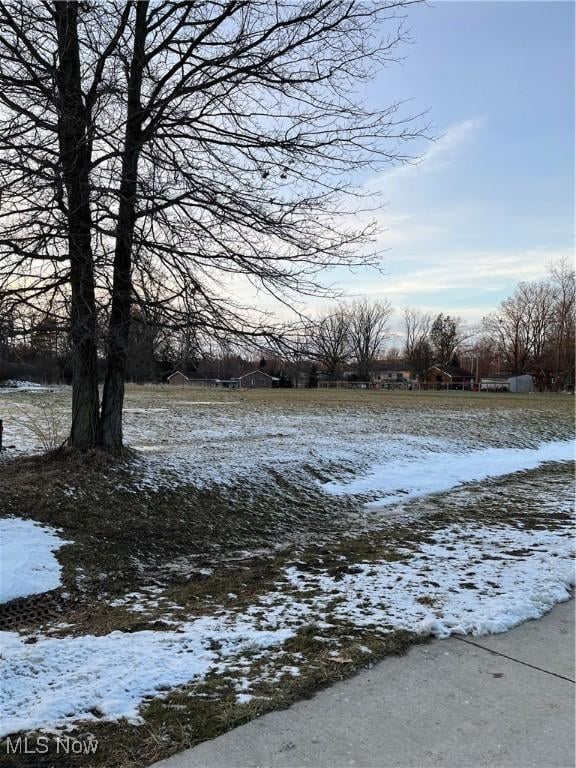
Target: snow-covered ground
473, 580
56, 682
27, 563
467, 578
248, 440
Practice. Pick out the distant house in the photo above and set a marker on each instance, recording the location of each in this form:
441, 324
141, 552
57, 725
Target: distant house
177, 379
391, 374
257, 380
253, 380
452, 376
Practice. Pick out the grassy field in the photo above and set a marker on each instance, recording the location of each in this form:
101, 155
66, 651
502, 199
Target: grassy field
225, 493
20, 407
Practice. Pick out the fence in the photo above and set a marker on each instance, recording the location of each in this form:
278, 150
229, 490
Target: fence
430, 386
347, 385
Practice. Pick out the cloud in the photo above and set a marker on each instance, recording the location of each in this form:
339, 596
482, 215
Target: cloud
399, 223
447, 245
443, 151
482, 270
468, 283
452, 140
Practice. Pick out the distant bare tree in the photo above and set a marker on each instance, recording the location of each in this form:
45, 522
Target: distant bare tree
330, 340
510, 334
481, 355
369, 329
539, 300
521, 327
209, 140
417, 349
563, 333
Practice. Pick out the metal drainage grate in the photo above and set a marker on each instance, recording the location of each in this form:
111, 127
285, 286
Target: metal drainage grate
33, 611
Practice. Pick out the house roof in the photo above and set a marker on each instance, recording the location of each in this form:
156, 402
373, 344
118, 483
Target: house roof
177, 373
257, 371
454, 371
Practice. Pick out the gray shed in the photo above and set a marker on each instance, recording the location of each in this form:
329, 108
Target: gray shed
523, 383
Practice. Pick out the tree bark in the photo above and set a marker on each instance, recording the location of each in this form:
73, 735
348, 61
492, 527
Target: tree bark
119, 324
73, 137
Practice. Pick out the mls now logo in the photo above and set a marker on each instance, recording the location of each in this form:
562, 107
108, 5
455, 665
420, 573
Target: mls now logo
62, 745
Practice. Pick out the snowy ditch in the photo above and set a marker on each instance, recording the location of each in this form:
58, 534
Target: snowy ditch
465, 579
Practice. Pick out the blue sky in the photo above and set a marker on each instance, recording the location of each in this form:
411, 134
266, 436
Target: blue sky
492, 201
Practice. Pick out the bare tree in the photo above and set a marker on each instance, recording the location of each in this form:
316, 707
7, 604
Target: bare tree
521, 327
480, 355
539, 300
417, 325
208, 140
329, 340
563, 322
533, 330
369, 329
417, 349
510, 334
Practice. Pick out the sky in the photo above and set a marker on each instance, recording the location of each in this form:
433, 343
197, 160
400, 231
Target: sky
492, 200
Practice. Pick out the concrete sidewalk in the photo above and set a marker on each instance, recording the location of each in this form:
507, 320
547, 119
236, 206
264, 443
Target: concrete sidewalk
499, 701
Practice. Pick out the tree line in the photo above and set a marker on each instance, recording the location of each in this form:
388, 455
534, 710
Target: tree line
532, 331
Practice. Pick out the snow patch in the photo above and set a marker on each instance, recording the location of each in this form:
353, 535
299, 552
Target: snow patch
400, 479
145, 410
219, 403
54, 682
27, 565
15, 385
467, 581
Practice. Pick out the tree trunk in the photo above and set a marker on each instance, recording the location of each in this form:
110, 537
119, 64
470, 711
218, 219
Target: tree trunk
73, 136
119, 325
